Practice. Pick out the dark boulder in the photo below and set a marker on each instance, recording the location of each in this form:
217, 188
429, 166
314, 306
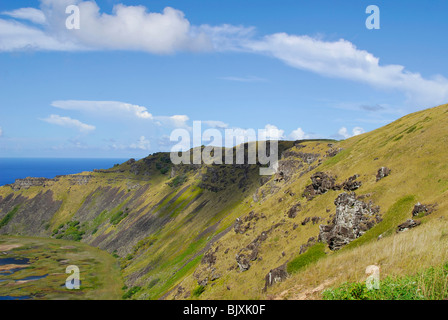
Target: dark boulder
320, 184
409, 224
382, 172
274, 276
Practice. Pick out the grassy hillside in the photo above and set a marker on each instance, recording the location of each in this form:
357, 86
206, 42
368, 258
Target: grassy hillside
175, 228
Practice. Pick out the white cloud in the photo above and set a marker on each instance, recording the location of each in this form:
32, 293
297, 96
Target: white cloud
357, 131
18, 36
134, 28
32, 14
176, 121
142, 144
105, 108
126, 28
1, 131
298, 134
216, 124
343, 132
341, 59
274, 133
69, 123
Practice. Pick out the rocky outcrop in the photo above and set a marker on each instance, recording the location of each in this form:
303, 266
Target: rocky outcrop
31, 182
352, 219
382, 172
321, 183
351, 184
274, 276
409, 224
243, 224
333, 151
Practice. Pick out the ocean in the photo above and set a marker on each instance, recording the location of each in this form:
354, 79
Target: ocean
19, 168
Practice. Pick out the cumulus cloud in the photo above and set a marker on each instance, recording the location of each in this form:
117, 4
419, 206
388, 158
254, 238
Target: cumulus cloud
126, 28
298, 134
142, 144
69, 123
342, 59
274, 133
343, 132
104, 108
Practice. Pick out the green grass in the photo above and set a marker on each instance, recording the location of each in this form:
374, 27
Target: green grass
117, 217
131, 292
8, 216
430, 284
198, 291
313, 254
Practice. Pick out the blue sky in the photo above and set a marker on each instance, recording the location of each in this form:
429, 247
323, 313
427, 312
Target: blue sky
137, 70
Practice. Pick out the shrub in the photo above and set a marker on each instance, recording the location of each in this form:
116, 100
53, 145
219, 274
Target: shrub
131, 292
198, 291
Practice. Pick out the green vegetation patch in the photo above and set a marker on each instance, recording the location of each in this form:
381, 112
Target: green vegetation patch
430, 284
69, 231
8, 216
117, 217
310, 256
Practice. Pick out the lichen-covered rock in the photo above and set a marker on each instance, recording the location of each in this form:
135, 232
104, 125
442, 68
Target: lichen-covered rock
243, 262
419, 208
382, 172
352, 219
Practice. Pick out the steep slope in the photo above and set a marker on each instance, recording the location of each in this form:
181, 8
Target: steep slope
224, 232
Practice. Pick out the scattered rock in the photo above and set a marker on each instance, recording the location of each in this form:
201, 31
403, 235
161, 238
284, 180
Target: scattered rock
292, 213
409, 224
305, 221
382, 172
351, 184
311, 242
